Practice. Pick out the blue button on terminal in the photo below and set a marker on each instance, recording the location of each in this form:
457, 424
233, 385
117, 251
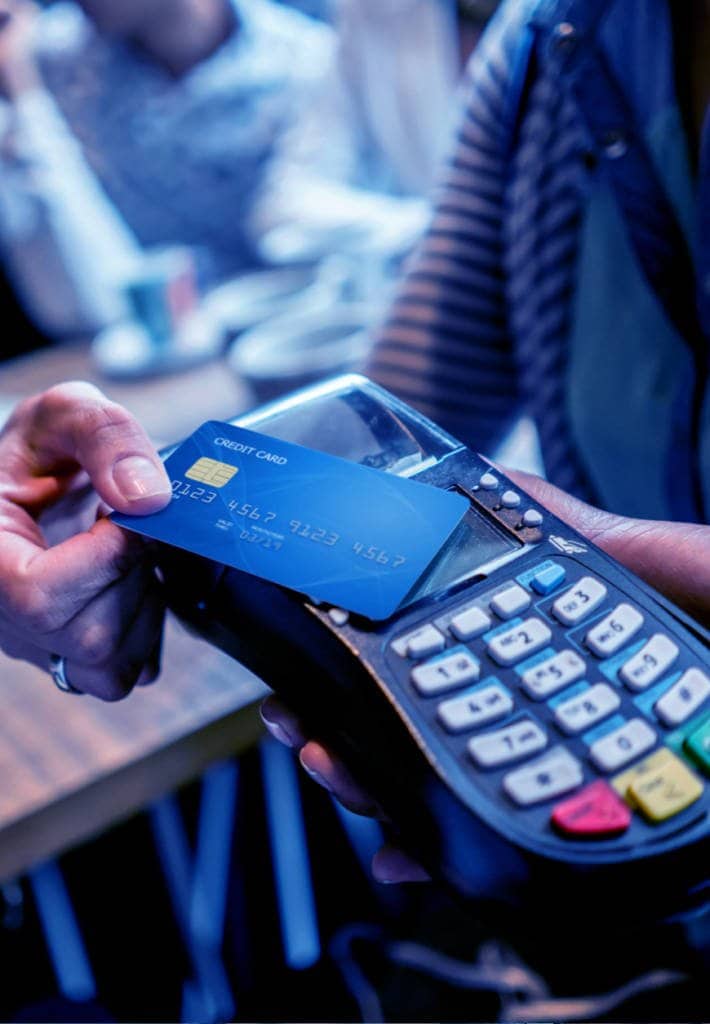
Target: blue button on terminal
545, 581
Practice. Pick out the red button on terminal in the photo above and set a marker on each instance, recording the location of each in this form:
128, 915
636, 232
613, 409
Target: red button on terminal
597, 811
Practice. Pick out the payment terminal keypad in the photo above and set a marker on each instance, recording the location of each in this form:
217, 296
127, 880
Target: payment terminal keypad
579, 601
453, 669
509, 744
623, 745
554, 674
425, 641
460, 714
594, 811
511, 602
555, 774
652, 661
698, 745
684, 697
470, 623
614, 631
591, 706
520, 641
664, 786
563, 699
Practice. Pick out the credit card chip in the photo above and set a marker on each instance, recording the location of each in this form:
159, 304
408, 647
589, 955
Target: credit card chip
211, 471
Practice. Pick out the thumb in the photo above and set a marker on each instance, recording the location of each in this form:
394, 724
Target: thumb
674, 558
73, 426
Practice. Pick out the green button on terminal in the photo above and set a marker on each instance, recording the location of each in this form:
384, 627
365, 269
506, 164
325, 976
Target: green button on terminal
697, 744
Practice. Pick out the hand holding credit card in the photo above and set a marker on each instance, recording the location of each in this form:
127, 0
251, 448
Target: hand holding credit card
334, 530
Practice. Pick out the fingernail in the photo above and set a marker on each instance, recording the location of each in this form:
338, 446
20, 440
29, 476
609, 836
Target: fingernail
277, 731
316, 776
137, 477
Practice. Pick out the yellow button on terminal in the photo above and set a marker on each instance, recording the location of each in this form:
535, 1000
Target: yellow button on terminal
642, 769
665, 791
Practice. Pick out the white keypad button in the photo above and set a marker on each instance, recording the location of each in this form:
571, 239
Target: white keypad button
519, 642
553, 675
509, 744
424, 642
622, 745
650, 663
684, 698
532, 518
470, 623
510, 499
489, 482
511, 602
587, 709
614, 631
445, 673
579, 601
486, 704
556, 773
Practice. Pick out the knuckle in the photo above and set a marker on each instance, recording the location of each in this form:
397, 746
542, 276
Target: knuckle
65, 399
103, 423
91, 416
94, 644
102, 420
29, 605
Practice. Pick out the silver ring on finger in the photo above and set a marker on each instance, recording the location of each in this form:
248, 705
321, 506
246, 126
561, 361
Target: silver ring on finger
58, 672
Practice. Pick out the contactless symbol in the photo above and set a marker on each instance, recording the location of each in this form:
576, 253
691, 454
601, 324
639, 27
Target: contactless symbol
568, 547
212, 472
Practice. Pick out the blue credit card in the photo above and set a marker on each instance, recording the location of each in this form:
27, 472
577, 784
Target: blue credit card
341, 533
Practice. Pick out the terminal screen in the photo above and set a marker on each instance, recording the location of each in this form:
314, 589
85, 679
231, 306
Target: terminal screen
476, 543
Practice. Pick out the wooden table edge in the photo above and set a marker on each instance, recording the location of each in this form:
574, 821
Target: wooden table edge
83, 814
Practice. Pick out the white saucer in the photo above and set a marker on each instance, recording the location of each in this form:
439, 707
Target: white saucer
387, 227
293, 243
252, 298
126, 350
289, 351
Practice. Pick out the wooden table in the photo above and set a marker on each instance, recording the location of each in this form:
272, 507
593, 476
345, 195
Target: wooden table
72, 766
168, 407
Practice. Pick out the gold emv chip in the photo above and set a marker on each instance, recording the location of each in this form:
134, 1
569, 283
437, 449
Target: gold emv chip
212, 472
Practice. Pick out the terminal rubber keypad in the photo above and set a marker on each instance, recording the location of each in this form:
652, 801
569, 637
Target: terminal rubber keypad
562, 694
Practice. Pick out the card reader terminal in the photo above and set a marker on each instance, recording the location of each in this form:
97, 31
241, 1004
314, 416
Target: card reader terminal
534, 718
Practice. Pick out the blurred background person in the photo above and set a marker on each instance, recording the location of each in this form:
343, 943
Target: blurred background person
362, 157
347, 194
315, 8
138, 124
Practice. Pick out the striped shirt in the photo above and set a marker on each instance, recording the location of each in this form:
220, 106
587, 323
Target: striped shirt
481, 329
